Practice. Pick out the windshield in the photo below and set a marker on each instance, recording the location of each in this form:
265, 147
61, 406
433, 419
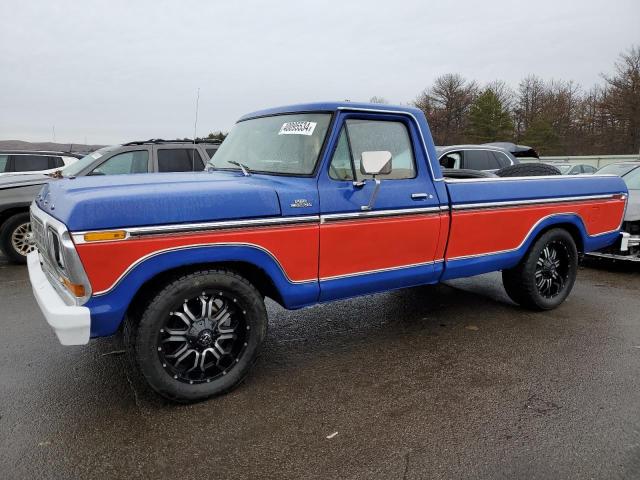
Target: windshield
564, 169
288, 144
76, 167
619, 169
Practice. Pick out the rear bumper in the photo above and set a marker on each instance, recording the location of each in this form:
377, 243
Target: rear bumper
625, 248
72, 324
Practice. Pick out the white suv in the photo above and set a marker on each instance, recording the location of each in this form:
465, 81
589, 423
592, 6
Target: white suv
26, 161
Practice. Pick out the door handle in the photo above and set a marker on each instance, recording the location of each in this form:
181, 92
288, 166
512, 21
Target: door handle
421, 196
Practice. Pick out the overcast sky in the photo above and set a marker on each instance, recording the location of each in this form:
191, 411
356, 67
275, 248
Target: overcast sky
114, 71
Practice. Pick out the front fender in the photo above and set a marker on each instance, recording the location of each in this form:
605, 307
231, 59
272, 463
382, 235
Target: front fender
108, 309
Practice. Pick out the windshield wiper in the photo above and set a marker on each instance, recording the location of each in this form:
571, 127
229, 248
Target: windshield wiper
245, 170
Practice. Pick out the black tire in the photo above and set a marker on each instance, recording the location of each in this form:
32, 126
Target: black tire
15, 226
466, 173
528, 170
150, 348
537, 282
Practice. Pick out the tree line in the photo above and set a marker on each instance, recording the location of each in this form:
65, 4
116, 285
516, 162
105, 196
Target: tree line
556, 117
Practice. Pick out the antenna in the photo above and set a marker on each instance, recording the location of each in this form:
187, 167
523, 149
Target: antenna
195, 125
54, 134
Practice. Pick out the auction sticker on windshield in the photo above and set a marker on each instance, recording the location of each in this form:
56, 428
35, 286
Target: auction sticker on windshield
297, 128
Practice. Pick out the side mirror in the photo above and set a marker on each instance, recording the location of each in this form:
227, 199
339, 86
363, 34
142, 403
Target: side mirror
376, 163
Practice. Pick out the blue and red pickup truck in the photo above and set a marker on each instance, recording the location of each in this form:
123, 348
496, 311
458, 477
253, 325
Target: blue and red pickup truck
303, 204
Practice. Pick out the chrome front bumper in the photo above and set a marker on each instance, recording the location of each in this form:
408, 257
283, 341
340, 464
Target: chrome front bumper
72, 324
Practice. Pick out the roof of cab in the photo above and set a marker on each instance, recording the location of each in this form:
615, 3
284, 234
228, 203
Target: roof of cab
330, 107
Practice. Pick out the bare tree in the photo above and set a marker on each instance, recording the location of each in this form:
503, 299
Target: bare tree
447, 105
376, 99
556, 116
621, 100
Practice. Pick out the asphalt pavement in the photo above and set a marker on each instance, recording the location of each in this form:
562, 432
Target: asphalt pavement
451, 381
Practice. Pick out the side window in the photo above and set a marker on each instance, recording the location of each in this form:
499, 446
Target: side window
588, 169
503, 160
373, 135
179, 160
30, 163
341, 167
211, 152
451, 160
55, 162
123, 163
4, 163
478, 160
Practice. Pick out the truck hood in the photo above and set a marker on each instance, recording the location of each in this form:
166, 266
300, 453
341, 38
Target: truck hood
99, 202
633, 207
23, 180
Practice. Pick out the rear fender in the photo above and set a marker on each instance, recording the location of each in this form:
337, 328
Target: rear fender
490, 262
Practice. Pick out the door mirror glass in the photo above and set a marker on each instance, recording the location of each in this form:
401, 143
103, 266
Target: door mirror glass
376, 163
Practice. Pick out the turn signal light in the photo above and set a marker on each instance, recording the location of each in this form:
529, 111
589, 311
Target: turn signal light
105, 236
75, 288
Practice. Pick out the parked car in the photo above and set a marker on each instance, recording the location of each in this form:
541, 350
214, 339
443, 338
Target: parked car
22, 161
574, 169
487, 161
475, 157
18, 191
629, 248
304, 204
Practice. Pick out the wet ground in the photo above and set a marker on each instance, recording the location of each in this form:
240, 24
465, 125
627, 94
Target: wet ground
451, 381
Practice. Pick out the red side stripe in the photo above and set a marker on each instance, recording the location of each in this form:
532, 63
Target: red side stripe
295, 247
476, 232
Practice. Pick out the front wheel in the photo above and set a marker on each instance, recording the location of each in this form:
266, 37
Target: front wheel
199, 336
545, 276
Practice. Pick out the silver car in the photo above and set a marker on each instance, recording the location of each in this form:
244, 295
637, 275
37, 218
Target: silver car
629, 246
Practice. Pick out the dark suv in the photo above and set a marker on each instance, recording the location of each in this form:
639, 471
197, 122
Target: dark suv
18, 191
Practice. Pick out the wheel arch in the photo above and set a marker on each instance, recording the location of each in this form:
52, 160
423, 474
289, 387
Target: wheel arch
143, 281
10, 212
577, 233
251, 272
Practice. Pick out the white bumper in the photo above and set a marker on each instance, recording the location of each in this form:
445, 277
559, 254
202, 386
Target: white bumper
72, 324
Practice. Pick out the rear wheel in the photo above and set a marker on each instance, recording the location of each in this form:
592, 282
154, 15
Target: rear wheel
200, 336
16, 238
545, 276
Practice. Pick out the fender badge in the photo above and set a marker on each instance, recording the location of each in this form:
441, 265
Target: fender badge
301, 203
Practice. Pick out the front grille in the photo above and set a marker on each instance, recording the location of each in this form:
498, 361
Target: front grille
37, 227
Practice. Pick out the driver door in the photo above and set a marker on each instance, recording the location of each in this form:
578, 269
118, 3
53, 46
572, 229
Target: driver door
393, 244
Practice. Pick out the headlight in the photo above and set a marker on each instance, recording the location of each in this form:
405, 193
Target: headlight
56, 249
60, 258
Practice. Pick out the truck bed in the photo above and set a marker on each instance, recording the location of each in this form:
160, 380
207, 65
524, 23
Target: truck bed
493, 220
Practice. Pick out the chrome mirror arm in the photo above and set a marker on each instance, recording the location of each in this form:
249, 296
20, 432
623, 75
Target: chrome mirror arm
372, 200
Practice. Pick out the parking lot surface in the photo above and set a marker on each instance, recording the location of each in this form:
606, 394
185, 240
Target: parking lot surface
451, 381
